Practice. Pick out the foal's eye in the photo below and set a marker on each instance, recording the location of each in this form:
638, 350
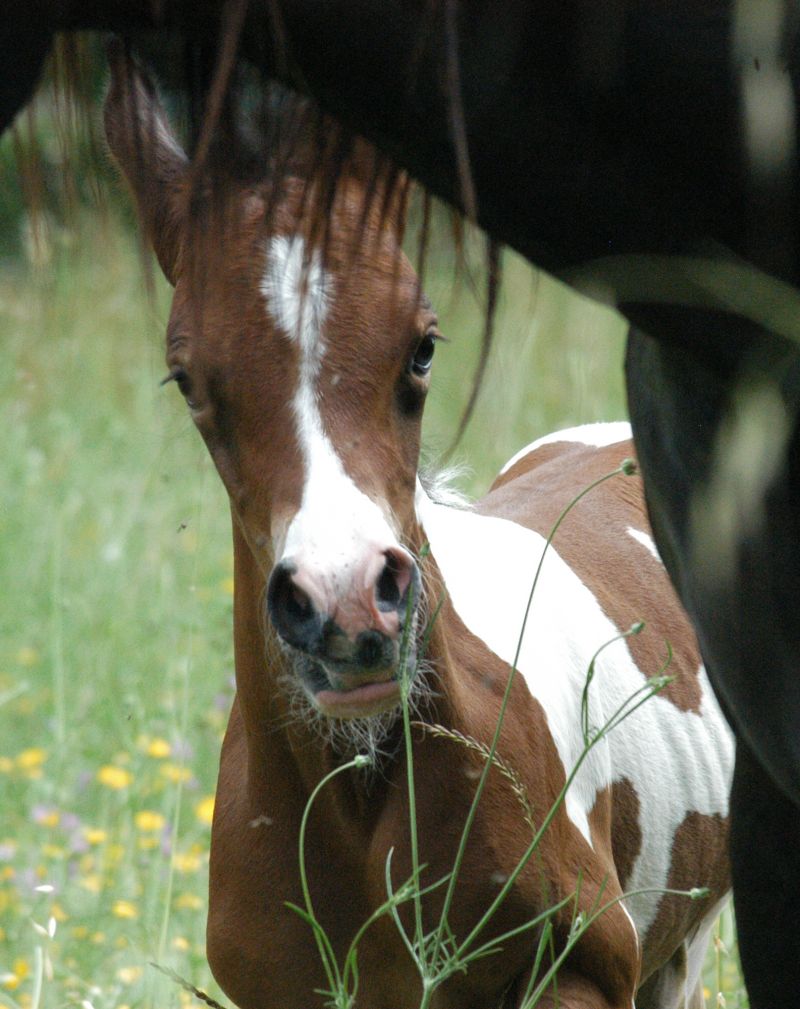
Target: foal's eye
181, 378
423, 356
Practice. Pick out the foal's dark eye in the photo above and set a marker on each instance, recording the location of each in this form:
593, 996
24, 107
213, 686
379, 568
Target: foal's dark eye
181, 378
423, 356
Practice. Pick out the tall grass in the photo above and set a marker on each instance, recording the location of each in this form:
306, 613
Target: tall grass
115, 578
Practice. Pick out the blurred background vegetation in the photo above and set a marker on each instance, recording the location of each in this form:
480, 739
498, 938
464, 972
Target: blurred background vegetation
115, 565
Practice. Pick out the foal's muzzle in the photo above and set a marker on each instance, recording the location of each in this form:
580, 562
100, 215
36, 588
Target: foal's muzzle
347, 631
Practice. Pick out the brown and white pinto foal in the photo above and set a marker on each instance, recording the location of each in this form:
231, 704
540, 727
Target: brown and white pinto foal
306, 375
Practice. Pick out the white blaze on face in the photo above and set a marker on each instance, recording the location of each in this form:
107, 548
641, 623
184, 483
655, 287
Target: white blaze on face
337, 526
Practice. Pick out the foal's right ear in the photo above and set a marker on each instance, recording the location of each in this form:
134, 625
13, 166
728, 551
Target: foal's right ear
151, 159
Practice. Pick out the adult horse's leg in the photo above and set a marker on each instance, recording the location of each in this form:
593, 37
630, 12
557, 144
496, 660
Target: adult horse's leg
765, 856
728, 533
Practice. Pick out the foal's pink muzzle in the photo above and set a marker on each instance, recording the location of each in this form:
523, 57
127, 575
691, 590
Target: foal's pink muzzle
347, 627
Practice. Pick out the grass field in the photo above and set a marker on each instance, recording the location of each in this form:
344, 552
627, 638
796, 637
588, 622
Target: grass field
115, 600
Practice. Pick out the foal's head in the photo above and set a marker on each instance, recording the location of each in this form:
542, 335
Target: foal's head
305, 366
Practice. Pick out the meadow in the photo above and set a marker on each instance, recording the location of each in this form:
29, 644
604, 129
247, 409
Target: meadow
116, 593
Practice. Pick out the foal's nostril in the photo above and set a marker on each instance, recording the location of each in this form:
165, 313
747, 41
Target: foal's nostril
291, 611
387, 591
298, 605
398, 575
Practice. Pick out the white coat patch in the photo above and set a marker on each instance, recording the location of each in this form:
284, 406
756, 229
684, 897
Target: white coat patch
677, 761
646, 541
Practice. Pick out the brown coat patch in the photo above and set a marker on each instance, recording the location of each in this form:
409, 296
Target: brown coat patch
699, 859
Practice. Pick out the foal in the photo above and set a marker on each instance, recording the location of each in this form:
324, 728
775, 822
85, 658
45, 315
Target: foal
306, 373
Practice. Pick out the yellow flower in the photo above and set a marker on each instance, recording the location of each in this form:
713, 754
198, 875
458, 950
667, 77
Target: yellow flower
79, 932
93, 883
17, 974
204, 810
124, 909
129, 975
114, 854
6, 765
31, 759
58, 912
148, 820
189, 902
158, 748
95, 835
114, 777
27, 656
181, 943
187, 861
147, 842
175, 773
227, 585
50, 818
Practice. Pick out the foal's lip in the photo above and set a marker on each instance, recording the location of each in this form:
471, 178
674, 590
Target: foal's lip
369, 699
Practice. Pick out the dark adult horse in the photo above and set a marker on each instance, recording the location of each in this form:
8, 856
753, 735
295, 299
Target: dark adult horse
574, 131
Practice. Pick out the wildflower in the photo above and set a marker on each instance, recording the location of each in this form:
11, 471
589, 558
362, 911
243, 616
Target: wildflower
124, 909
189, 902
147, 820
129, 975
31, 759
187, 861
158, 748
95, 835
8, 849
227, 585
181, 944
92, 882
204, 810
114, 853
114, 777
45, 816
16, 975
6, 765
175, 773
27, 656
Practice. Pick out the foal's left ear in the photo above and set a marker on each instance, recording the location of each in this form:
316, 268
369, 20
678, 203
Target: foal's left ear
145, 148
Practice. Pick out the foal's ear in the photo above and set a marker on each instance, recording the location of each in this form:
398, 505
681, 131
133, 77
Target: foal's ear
151, 159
